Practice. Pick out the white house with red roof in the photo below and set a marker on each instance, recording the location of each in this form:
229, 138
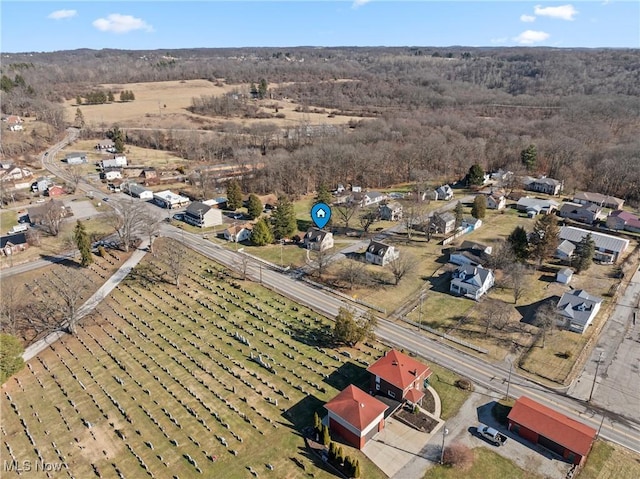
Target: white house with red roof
355, 416
399, 377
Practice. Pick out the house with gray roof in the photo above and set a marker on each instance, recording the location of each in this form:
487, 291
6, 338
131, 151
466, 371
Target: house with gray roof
380, 253
534, 206
565, 250
545, 185
588, 214
444, 193
202, 215
577, 309
471, 281
318, 240
608, 248
391, 211
444, 223
605, 201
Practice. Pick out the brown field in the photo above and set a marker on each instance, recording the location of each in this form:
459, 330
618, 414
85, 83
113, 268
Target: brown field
164, 105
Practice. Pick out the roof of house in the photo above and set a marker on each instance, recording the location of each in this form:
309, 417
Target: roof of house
473, 245
576, 208
234, 230
476, 275
392, 205
378, 248
356, 407
446, 217
316, 234
373, 194
75, 154
542, 180
565, 272
398, 369
567, 432
602, 241
629, 218
566, 247
197, 208
578, 305
473, 255
414, 395
597, 198
14, 239
536, 203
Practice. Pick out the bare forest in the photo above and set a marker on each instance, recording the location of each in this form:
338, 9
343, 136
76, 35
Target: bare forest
427, 114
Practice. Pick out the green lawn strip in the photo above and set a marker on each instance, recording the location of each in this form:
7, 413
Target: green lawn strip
451, 396
608, 461
486, 463
8, 219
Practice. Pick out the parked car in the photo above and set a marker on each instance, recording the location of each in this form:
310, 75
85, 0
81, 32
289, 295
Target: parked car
490, 434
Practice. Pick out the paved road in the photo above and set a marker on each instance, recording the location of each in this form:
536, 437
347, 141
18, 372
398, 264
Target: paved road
617, 382
491, 376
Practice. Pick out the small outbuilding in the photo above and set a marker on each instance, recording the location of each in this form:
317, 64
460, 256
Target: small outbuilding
355, 416
564, 275
552, 430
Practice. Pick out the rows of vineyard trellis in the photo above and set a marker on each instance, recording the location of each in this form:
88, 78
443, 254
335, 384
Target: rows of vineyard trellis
211, 380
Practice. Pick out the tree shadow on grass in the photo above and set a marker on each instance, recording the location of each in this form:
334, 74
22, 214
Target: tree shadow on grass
348, 373
528, 311
304, 225
301, 413
57, 259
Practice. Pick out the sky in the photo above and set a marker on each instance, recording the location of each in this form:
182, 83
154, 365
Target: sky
43, 26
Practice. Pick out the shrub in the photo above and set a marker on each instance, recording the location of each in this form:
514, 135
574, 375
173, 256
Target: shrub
464, 384
458, 455
102, 252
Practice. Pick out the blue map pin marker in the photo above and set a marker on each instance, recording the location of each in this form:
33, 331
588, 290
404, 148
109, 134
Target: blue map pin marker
321, 214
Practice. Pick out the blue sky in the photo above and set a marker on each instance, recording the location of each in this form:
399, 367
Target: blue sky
51, 25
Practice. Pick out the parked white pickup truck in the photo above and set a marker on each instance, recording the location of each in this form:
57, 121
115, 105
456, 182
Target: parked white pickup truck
491, 434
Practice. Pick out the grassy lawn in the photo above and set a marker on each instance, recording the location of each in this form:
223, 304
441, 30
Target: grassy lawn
486, 464
162, 376
451, 396
8, 219
608, 461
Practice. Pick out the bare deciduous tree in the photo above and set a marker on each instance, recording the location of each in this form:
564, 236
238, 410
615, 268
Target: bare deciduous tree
353, 272
494, 314
74, 176
172, 255
546, 318
150, 226
126, 220
402, 265
321, 260
346, 212
518, 277
52, 217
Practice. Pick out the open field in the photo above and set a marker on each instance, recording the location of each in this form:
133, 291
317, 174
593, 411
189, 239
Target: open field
608, 461
163, 381
486, 463
164, 105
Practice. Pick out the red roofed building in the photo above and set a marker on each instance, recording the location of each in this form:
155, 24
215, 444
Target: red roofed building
554, 431
355, 416
399, 376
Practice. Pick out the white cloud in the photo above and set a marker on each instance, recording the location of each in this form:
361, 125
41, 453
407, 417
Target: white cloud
359, 3
527, 18
499, 41
61, 14
117, 23
563, 12
529, 37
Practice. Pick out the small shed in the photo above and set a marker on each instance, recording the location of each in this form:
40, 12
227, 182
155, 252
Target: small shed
564, 275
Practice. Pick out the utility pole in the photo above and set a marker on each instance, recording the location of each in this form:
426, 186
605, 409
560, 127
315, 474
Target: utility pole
509, 380
593, 385
420, 310
445, 431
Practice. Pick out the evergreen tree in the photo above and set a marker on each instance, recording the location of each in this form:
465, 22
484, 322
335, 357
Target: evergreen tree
110, 97
131, 96
254, 206
10, 356
356, 472
323, 195
479, 208
118, 139
234, 195
317, 423
123, 95
544, 238
332, 451
6, 84
519, 243
83, 243
261, 234
459, 212
326, 437
345, 327
529, 157
583, 254
475, 177
262, 88
79, 118
78, 100
284, 219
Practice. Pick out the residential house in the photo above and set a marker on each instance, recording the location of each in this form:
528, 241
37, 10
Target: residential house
118, 161
380, 253
39, 214
111, 174
16, 127
605, 201
534, 206
622, 220
13, 244
399, 376
318, 240
168, 199
41, 185
149, 176
76, 158
465, 256
479, 247
501, 176
220, 202
545, 185
608, 248
588, 214
496, 201
443, 193
539, 424
55, 190
355, 416
238, 233
391, 211
15, 173
444, 223
564, 275
137, 191
202, 215
371, 198
577, 309
105, 145
565, 250
471, 281
12, 119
